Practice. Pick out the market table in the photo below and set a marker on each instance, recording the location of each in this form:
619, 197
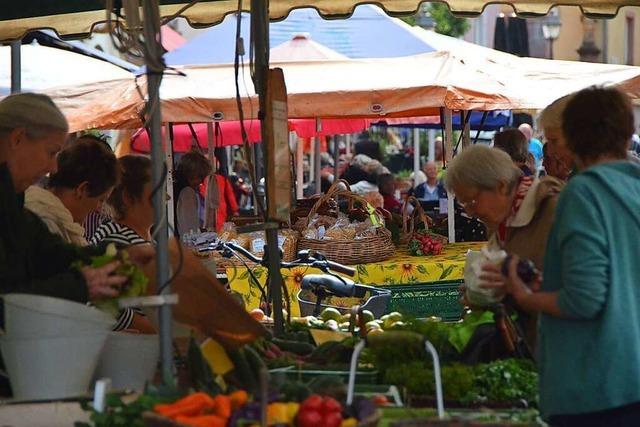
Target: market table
401, 270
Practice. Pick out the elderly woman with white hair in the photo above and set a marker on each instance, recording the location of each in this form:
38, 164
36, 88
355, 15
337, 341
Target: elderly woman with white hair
32, 260
517, 210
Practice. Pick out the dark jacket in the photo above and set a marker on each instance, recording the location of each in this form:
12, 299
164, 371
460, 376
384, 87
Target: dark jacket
33, 260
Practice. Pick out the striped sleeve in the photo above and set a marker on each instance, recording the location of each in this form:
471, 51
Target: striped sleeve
125, 319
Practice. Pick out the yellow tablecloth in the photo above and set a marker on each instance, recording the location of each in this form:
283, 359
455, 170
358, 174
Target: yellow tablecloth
402, 269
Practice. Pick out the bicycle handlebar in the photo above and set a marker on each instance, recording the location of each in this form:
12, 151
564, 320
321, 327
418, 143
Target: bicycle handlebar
308, 260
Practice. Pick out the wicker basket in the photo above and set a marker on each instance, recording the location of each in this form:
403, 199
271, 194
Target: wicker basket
411, 220
356, 251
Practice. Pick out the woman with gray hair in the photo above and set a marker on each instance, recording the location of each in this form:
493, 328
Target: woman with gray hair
32, 260
517, 210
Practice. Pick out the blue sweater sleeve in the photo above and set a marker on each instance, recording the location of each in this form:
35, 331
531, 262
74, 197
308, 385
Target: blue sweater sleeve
585, 260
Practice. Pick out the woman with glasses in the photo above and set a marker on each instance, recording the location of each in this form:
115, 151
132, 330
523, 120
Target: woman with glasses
517, 210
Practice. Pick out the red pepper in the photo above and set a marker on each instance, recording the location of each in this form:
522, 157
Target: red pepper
316, 411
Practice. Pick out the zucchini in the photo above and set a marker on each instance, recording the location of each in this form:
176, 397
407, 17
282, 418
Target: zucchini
295, 347
243, 370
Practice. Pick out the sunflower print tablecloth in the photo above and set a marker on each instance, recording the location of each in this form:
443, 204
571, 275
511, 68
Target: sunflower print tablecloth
402, 269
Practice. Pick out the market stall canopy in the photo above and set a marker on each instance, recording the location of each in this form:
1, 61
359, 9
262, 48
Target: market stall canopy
230, 134
77, 17
44, 68
370, 88
302, 48
360, 88
368, 33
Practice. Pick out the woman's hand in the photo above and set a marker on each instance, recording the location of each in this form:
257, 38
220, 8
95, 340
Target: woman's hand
491, 277
515, 285
101, 283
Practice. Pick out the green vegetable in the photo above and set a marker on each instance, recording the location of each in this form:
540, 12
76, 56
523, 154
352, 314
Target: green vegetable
200, 371
296, 347
135, 286
243, 371
506, 381
120, 414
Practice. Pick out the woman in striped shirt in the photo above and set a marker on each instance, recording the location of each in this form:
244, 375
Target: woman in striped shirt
132, 209
131, 204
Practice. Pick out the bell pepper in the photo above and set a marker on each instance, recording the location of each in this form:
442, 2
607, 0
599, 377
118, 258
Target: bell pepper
317, 411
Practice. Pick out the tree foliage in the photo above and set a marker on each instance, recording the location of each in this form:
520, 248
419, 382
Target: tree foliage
446, 23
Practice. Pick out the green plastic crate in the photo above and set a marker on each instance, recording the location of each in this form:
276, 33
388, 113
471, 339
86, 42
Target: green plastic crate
440, 299
294, 374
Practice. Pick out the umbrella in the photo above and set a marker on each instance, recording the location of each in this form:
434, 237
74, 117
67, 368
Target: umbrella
46, 67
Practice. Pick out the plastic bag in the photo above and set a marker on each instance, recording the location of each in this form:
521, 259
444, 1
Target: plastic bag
475, 294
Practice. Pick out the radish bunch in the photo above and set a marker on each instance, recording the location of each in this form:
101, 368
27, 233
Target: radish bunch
422, 243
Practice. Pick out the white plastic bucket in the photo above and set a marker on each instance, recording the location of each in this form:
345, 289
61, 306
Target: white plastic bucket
51, 367
129, 360
29, 315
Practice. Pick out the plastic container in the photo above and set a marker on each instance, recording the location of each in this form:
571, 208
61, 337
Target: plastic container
292, 373
29, 315
440, 299
51, 367
377, 301
129, 360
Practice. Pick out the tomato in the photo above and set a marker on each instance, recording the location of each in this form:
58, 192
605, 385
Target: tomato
313, 403
334, 419
309, 418
331, 405
380, 400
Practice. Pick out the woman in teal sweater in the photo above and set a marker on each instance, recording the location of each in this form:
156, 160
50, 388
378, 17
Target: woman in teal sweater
589, 345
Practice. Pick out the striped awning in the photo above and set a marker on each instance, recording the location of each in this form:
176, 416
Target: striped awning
77, 18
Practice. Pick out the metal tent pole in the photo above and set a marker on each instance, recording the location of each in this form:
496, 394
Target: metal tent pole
260, 36
466, 132
336, 157
299, 168
158, 171
316, 164
448, 141
416, 153
16, 68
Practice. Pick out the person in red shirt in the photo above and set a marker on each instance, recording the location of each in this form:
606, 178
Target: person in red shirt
387, 187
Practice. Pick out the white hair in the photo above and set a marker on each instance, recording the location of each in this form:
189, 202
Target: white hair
483, 168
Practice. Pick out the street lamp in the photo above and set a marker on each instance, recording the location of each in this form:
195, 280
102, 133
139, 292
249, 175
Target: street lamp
424, 18
551, 30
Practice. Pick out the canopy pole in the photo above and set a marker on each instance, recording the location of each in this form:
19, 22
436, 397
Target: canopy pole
158, 178
466, 133
317, 163
312, 161
348, 144
168, 146
336, 158
318, 156
448, 141
416, 153
299, 167
260, 36
432, 145
16, 68
210, 218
